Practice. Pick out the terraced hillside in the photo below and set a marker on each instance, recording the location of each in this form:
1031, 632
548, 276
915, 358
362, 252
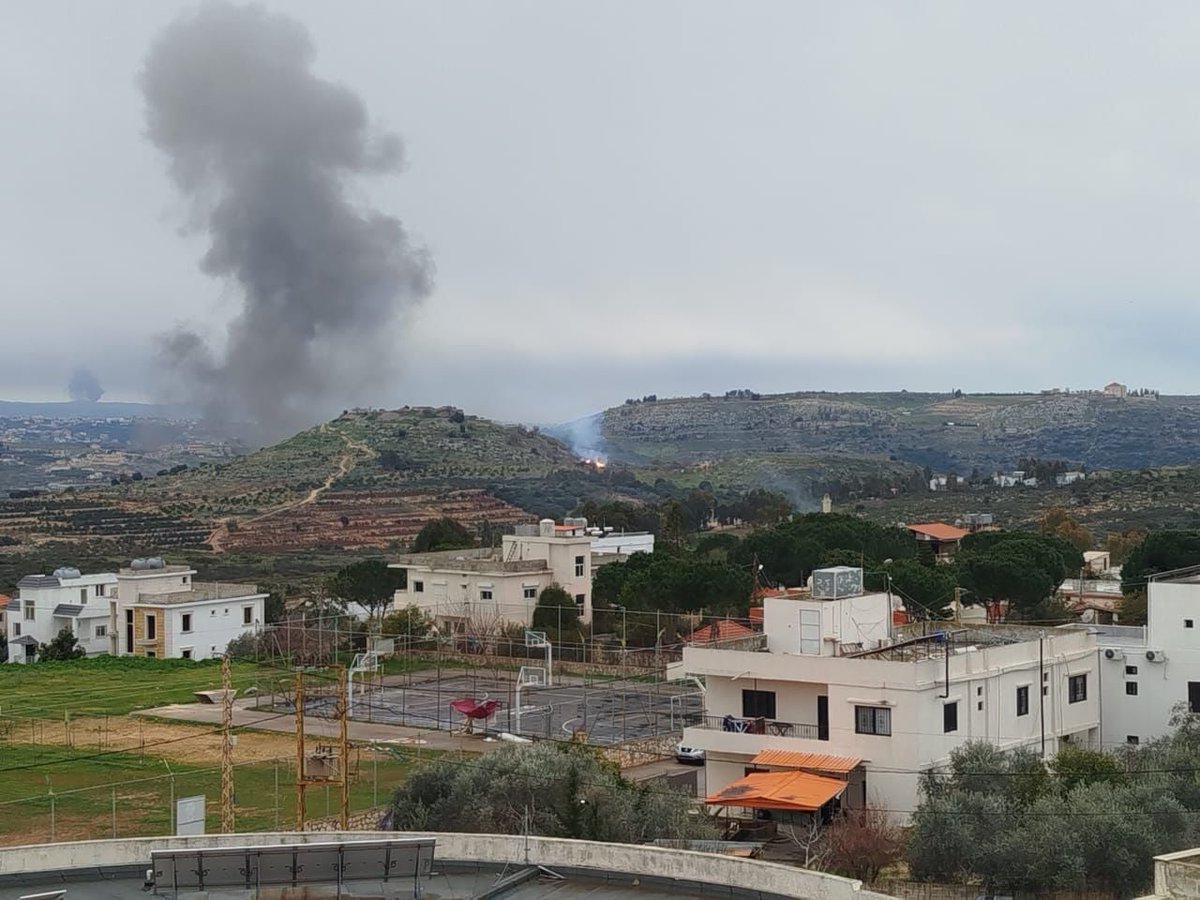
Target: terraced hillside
944, 431
368, 479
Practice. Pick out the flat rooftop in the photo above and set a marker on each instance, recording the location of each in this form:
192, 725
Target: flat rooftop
482, 560
203, 592
128, 571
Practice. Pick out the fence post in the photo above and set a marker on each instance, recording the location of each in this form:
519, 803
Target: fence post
114, 811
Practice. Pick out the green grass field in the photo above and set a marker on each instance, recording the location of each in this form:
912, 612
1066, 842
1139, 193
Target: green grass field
124, 794
112, 685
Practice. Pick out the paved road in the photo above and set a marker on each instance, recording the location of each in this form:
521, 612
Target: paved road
359, 732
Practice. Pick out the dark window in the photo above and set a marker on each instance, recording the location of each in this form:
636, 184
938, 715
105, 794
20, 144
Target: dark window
1045, 691
187, 654
579, 599
1045, 676
1131, 739
1023, 700
1189, 623
1077, 689
758, 703
979, 706
151, 653
187, 622
950, 717
1194, 696
978, 692
418, 587
579, 566
247, 615
1131, 670
1131, 688
151, 628
872, 720
530, 593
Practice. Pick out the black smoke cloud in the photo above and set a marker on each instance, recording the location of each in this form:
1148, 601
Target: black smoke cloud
84, 386
264, 151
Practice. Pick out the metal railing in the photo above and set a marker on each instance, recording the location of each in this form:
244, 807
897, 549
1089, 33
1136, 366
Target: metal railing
759, 725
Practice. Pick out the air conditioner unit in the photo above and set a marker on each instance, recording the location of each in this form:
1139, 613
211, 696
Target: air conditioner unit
1114, 654
1155, 656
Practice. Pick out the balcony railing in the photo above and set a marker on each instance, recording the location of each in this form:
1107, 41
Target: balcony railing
759, 726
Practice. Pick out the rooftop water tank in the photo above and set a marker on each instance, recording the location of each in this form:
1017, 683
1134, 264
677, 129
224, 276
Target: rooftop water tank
837, 582
67, 572
546, 528
149, 562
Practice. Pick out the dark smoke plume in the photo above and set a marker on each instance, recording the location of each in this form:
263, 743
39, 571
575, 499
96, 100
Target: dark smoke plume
84, 386
265, 151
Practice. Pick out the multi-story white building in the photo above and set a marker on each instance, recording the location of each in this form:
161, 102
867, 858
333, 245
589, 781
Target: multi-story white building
468, 590
161, 610
834, 688
147, 609
1146, 672
46, 604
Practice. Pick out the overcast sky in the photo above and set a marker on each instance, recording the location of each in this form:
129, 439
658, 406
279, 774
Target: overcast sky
672, 197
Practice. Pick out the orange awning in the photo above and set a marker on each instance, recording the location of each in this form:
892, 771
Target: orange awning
820, 762
779, 790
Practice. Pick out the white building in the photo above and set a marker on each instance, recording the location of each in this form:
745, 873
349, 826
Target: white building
46, 604
161, 610
148, 609
835, 690
608, 542
1146, 672
1066, 478
482, 589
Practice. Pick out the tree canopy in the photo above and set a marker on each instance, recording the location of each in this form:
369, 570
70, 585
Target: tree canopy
1159, 551
1020, 567
443, 534
555, 608
1089, 820
556, 790
63, 645
370, 583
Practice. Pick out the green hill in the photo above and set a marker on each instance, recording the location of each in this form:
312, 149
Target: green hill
944, 431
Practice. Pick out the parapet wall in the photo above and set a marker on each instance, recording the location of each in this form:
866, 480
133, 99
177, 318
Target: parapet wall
619, 862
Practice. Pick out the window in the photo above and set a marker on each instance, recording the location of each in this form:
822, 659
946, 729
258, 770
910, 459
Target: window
579, 566
1131, 670
950, 717
151, 627
1077, 688
872, 720
1023, 700
485, 593
1194, 696
1045, 691
979, 706
99, 590
151, 653
186, 625
1131, 739
186, 653
247, 615
1131, 688
16, 629
83, 595
579, 599
418, 587
978, 692
758, 703
530, 593
30, 614
101, 631
1189, 623
1045, 676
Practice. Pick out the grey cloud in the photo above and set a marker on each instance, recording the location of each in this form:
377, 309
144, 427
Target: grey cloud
263, 149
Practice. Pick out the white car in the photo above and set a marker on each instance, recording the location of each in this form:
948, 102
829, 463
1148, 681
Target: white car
686, 754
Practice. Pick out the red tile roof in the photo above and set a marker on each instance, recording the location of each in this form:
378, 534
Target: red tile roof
939, 531
723, 630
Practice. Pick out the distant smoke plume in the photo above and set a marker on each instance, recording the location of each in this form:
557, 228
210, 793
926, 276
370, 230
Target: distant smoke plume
84, 386
264, 152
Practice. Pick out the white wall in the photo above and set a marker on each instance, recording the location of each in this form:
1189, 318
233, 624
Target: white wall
618, 542
865, 619
214, 625
449, 596
913, 692
88, 591
1160, 685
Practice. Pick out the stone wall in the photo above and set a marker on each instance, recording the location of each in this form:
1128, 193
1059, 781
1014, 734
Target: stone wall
640, 751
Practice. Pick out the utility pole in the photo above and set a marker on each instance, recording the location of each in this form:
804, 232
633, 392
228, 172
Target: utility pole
298, 696
343, 752
227, 817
